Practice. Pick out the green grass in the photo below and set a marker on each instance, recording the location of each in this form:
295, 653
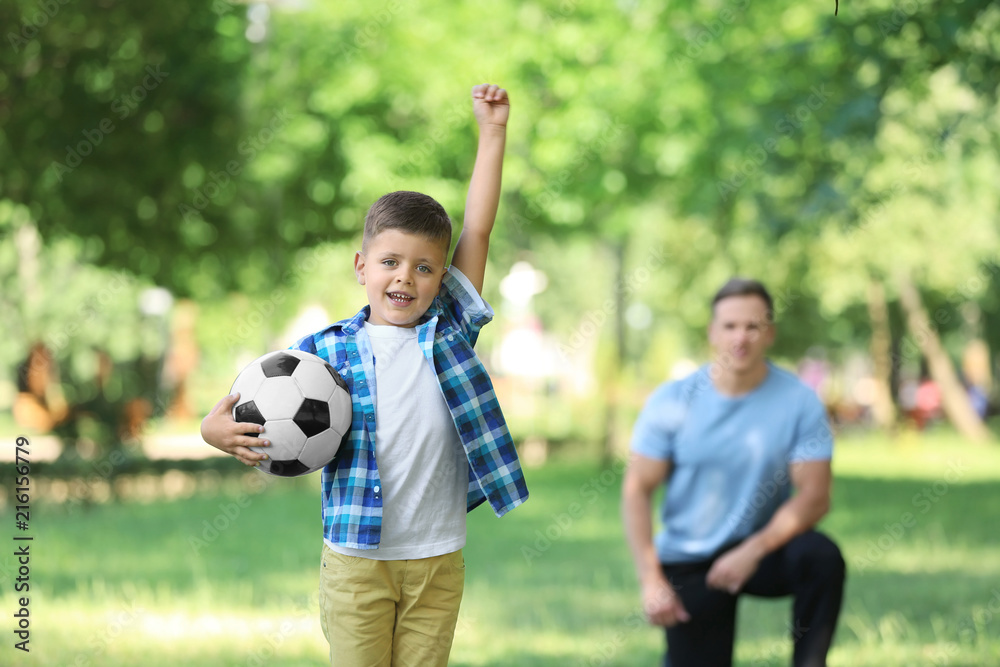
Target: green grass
551, 584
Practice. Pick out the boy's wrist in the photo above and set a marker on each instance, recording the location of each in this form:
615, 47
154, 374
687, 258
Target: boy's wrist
492, 130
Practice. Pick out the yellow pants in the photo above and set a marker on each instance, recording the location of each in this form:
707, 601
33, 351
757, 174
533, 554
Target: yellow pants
390, 613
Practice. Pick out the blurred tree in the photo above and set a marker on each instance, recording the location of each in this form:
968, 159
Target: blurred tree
687, 141
110, 116
813, 120
85, 345
116, 119
935, 76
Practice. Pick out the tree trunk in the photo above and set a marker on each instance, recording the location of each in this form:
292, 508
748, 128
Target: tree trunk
883, 408
181, 360
954, 398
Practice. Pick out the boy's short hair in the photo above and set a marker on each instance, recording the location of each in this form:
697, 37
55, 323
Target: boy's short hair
745, 287
410, 212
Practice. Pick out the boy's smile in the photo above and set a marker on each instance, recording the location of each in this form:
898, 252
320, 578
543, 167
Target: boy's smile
402, 274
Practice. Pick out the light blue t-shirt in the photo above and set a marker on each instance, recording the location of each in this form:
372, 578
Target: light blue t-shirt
729, 456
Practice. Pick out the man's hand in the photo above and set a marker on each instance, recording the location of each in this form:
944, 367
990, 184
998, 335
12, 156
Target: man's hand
811, 500
220, 430
490, 105
662, 605
731, 571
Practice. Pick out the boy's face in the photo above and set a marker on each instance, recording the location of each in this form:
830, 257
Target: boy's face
402, 274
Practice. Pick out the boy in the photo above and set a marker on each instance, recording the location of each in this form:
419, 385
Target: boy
396, 496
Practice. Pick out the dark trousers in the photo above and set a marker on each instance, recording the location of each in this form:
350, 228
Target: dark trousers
809, 567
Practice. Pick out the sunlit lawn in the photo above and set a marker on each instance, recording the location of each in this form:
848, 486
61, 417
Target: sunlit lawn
550, 584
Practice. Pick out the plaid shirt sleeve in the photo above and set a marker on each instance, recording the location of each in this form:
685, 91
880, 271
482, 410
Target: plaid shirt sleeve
494, 469
460, 300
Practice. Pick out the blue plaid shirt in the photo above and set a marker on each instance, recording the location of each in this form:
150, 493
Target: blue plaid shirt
352, 491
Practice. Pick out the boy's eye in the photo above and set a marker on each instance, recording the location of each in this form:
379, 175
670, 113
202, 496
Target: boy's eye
424, 269
389, 262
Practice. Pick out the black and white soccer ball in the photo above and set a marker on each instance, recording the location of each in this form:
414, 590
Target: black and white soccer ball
304, 406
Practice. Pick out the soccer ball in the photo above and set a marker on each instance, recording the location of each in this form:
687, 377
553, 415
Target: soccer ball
302, 403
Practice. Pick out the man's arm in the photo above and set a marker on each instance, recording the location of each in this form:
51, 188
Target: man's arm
643, 476
812, 481
492, 108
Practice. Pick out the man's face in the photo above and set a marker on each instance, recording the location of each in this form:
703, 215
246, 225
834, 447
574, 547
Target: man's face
402, 274
740, 333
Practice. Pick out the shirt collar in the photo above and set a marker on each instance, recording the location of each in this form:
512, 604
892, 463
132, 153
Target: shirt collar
356, 323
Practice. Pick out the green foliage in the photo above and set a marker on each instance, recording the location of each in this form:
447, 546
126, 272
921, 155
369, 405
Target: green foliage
52, 294
771, 139
130, 109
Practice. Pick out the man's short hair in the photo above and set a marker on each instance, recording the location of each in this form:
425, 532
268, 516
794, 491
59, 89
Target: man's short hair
410, 212
745, 287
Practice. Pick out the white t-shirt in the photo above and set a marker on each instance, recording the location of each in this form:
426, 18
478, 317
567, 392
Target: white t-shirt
421, 462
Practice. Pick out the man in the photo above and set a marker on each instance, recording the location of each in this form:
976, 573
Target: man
732, 442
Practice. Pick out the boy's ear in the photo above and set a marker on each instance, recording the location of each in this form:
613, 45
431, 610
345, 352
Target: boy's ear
359, 267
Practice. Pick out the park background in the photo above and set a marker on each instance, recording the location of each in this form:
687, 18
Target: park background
182, 188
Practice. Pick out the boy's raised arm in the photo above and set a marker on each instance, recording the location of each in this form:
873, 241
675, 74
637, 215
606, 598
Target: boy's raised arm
491, 107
